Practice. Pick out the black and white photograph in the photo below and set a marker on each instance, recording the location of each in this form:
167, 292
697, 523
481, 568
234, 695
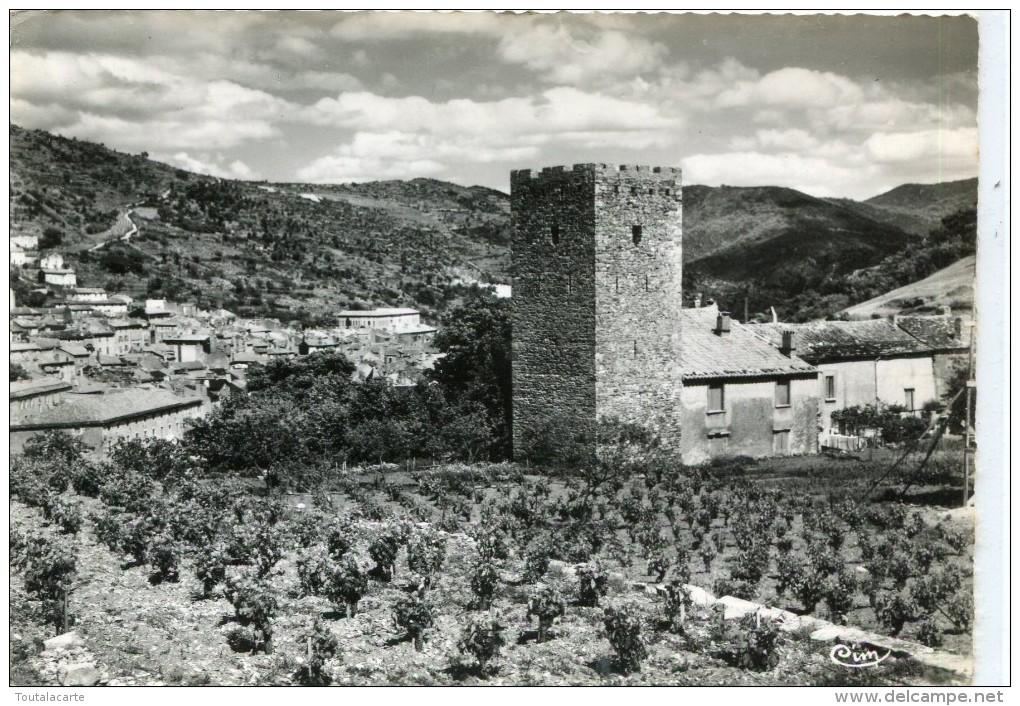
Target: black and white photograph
504, 348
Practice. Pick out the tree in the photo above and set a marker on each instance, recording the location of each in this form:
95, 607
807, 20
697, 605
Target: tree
18, 373
476, 367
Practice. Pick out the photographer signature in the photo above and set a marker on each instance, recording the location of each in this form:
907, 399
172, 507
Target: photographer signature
856, 655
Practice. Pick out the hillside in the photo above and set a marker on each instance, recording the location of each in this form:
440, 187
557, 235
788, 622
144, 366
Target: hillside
951, 286
289, 250
772, 244
302, 251
917, 208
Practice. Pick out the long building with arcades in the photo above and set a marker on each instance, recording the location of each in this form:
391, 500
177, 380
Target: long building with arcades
596, 261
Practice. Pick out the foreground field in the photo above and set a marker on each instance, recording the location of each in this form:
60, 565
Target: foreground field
359, 579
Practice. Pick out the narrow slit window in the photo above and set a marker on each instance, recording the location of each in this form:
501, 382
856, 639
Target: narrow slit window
616, 188
635, 349
651, 192
554, 234
646, 283
633, 191
617, 285
635, 234
570, 283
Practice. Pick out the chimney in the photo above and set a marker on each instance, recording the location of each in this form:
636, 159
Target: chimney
722, 323
947, 311
789, 346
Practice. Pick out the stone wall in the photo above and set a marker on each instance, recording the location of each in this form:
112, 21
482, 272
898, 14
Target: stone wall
638, 297
596, 309
553, 301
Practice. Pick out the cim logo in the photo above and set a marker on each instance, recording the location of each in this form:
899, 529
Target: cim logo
856, 655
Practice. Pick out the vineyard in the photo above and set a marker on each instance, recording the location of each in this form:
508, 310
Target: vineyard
479, 573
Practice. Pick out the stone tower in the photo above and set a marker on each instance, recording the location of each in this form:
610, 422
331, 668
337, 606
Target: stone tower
596, 262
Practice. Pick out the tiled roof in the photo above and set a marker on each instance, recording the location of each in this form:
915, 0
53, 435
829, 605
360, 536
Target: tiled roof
824, 341
189, 340
245, 357
936, 331
21, 389
99, 410
74, 349
707, 355
377, 312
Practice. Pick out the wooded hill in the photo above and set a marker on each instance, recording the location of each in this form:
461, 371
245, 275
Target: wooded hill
302, 251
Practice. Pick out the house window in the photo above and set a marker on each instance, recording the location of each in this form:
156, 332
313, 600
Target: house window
783, 393
781, 441
908, 398
633, 191
651, 192
830, 387
616, 189
716, 398
635, 234
554, 234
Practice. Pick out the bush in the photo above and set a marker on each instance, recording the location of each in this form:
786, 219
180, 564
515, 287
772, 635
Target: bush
383, 551
164, 557
255, 606
839, 590
929, 633
426, 552
211, 567
592, 584
48, 569
312, 570
65, 513
345, 584
758, 642
893, 610
322, 646
536, 558
414, 616
483, 638
484, 581
623, 629
546, 603
678, 602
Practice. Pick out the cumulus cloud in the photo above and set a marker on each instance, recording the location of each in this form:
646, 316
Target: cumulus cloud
792, 86
562, 57
213, 165
814, 175
953, 146
133, 105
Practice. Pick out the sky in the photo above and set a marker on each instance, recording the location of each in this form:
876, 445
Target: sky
832, 105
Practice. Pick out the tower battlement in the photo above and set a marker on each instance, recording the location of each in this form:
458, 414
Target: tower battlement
622, 170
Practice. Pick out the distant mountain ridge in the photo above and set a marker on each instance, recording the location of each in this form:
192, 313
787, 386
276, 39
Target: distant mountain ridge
303, 250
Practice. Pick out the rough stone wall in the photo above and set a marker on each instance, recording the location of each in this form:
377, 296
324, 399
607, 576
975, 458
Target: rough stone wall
553, 300
596, 329
638, 297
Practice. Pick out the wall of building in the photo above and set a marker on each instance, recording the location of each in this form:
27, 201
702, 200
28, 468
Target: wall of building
860, 382
170, 425
750, 421
24, 405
